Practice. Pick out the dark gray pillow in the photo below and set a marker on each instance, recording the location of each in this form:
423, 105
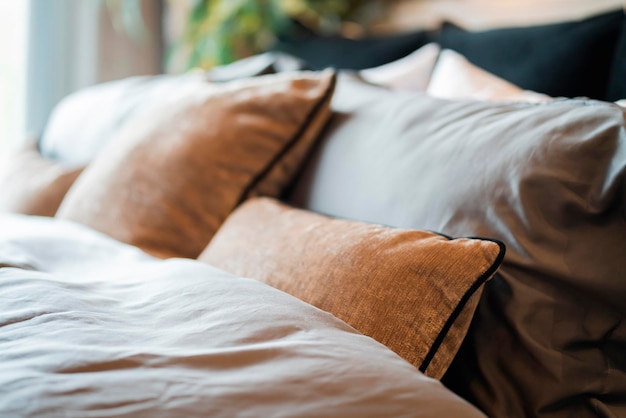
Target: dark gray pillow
548, 180
321, 52
561, 59
617, 84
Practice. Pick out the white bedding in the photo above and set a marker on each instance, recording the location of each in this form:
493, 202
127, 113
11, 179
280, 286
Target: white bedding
90, 327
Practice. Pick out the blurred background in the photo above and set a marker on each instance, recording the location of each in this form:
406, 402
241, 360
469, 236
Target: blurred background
54, 47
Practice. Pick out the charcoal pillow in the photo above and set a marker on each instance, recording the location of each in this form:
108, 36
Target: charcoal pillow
414, 291
566, 59
617, 85
548, 180
353, 54
177, 169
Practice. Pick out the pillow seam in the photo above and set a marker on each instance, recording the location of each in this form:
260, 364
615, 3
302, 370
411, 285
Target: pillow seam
482, 279
315, 111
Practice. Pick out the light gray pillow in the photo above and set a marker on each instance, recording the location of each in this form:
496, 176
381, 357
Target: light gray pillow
546, 179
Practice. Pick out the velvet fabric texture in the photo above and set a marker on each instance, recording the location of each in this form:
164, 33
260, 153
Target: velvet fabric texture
31, 184
414, 291
177, 169
546, 179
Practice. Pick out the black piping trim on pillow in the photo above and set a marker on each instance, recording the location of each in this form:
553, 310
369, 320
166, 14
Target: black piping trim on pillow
457, 310
291, 143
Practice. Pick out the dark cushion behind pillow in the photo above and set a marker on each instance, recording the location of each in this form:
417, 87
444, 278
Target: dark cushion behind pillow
353, 54
548, 180
565, 59
617, 85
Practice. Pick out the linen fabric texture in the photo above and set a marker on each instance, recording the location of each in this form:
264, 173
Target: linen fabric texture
94, 327
177, 169
546, 179
454, 77
414, 291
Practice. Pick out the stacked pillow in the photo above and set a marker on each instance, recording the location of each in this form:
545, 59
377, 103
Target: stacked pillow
414, 291
177, 168
164, 176
570, 59
546, 179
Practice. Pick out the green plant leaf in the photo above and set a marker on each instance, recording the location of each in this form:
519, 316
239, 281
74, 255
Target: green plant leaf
220, 31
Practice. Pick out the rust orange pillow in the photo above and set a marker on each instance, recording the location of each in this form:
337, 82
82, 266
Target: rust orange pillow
32, 184
414, 291
176, 170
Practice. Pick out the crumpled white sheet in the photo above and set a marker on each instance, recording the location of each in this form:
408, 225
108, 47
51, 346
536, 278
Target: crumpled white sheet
90, 327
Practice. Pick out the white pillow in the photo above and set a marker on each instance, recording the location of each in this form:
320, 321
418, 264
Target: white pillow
83, 122
411, 73
454, 77
621, 103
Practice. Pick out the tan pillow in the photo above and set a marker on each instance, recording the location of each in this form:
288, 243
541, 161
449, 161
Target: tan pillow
454, 77
176, 170
413, 291
31, 184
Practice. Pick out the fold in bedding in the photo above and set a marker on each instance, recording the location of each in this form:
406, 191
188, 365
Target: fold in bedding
90, 327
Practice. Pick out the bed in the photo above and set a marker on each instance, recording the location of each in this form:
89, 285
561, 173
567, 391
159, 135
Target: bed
442, 235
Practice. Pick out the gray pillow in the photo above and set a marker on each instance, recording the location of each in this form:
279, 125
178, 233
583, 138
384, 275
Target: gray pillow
548, 180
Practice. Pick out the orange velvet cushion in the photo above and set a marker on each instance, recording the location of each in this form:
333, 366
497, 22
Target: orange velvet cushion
177, 169
32, 184
413, 291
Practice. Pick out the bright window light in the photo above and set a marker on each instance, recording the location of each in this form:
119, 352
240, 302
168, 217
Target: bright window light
13, 44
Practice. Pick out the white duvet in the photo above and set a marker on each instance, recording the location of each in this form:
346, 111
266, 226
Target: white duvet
90, 327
